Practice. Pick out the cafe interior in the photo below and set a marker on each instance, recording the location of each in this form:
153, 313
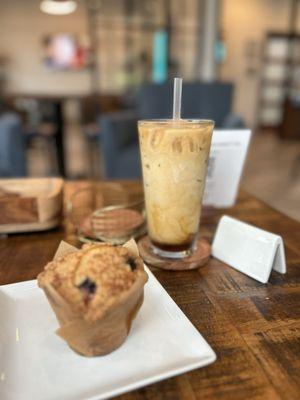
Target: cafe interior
76, 76
63, 72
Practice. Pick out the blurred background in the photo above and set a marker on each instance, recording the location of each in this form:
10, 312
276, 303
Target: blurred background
75, 76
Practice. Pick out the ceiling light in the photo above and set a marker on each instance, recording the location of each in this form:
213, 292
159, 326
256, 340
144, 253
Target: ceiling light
58, 7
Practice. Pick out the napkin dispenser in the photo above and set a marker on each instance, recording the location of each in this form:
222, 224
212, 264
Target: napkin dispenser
248, 249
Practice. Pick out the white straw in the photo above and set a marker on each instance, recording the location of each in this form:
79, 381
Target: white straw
177, 98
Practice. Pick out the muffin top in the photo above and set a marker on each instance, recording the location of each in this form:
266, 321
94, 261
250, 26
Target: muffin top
94, 278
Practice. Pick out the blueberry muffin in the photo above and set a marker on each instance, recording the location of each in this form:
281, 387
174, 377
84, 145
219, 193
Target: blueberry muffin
95, 293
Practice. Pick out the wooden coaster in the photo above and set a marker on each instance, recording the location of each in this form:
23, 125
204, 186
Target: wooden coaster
196, 260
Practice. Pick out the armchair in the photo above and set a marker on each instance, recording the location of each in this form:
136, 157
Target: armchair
12, 146
119, 145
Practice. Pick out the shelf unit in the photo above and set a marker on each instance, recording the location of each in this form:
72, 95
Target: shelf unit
280, 80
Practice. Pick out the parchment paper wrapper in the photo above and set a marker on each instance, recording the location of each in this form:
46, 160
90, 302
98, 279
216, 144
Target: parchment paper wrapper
106, 334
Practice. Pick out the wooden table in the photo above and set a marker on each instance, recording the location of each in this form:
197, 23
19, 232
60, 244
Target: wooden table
253, 328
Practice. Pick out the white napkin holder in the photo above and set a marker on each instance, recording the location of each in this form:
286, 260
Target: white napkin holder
248, 249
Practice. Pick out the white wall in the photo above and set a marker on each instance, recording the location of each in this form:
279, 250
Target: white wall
22, 27
243, 22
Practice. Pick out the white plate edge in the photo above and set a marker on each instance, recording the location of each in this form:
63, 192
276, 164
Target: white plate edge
209, 359
156, 378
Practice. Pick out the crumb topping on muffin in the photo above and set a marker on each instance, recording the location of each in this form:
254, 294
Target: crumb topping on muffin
93, 279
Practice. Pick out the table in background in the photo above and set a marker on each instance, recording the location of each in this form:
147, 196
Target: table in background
253, 328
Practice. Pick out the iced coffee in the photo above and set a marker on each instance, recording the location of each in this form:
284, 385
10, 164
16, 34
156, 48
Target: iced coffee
174, 158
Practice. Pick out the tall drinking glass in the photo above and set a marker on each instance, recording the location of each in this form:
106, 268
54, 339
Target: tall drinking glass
174, 158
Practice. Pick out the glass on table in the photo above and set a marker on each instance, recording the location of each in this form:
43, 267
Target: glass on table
174, 155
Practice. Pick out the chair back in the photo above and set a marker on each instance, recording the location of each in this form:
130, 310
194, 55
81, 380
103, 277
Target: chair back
12, 146
211, 100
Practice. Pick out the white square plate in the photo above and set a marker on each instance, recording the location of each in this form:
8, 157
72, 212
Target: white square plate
37, 364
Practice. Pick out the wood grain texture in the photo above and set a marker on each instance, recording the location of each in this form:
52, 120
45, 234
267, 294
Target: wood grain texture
30, 204
254, 328
18, 210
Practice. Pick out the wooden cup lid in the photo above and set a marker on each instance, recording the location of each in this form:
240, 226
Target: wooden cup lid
114, 225
116, 222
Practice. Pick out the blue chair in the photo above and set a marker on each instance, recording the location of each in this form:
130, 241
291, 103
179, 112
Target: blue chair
12, 146
118, 137
119, 145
